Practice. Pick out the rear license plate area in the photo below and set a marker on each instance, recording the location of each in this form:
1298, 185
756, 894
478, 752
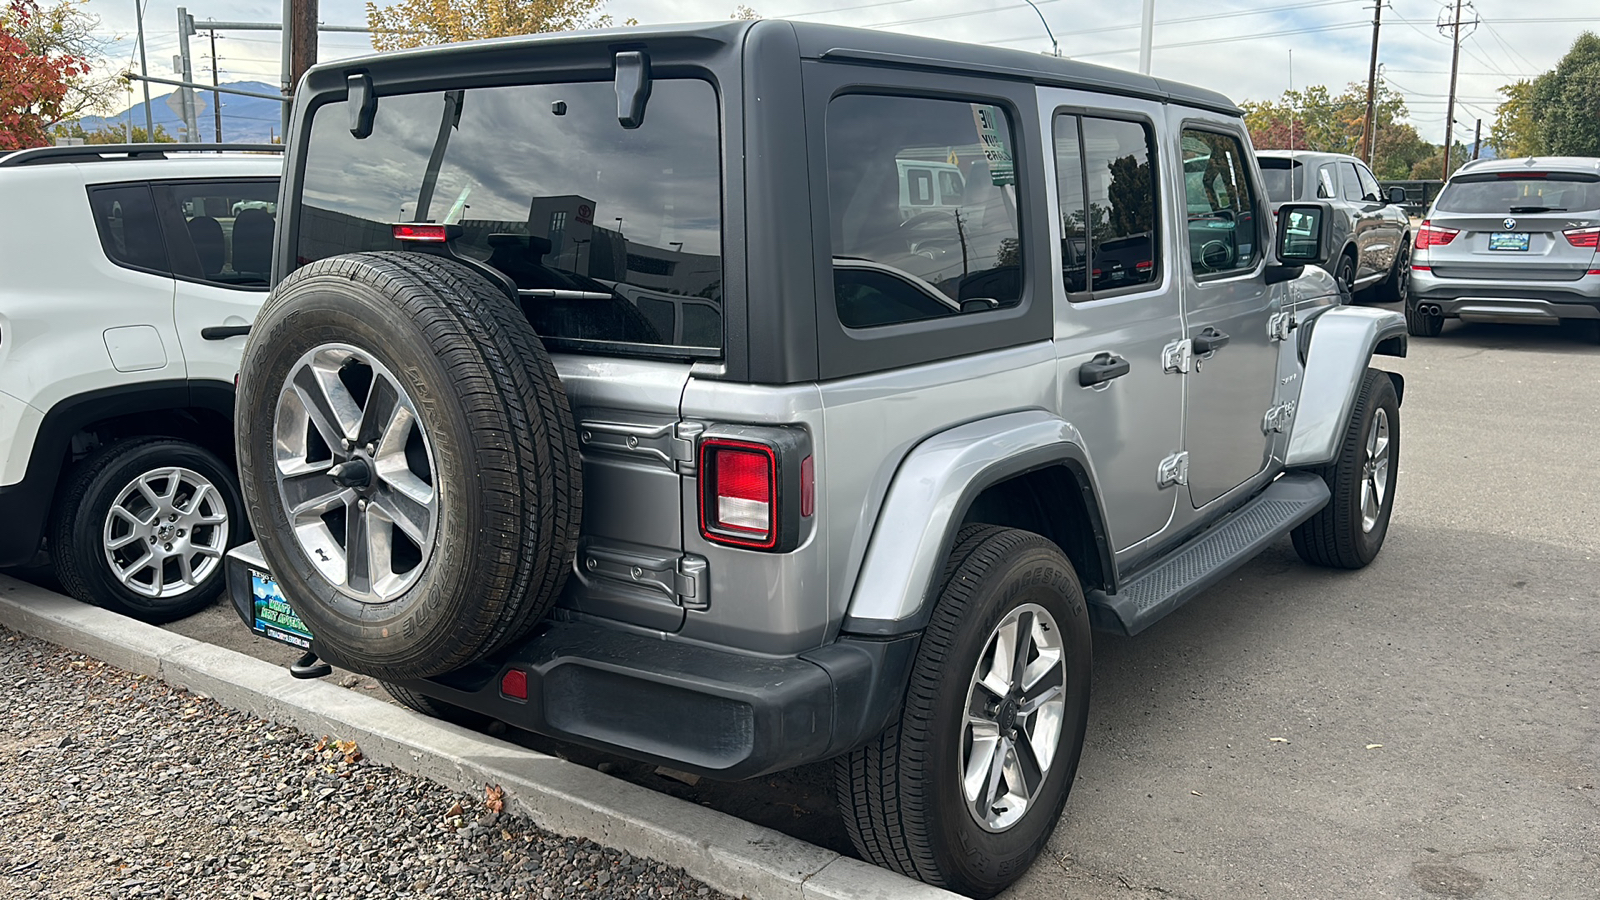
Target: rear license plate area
273, 618
1508, 240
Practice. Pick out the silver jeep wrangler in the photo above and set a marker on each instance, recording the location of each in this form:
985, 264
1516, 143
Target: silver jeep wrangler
741, 396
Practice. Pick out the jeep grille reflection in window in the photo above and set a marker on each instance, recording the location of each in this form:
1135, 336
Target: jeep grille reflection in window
923, 206
612, 235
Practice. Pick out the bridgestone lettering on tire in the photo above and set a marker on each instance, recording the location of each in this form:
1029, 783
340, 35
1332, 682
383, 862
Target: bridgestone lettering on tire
487, 461
908, 797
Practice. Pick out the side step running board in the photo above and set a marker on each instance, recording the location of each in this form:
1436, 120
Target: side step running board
1209, 556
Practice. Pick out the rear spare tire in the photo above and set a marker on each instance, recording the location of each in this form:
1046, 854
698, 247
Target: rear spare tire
409, 461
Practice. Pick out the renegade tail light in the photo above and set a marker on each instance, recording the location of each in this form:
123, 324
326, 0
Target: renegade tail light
1431, 235
756, 487
422, 233
1583, 237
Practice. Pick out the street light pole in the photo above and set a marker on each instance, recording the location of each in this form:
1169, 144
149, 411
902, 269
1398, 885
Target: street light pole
1147, 27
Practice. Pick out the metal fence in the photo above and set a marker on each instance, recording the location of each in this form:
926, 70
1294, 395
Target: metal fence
1419, 194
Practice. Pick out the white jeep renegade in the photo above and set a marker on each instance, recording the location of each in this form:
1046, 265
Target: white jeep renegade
129, 276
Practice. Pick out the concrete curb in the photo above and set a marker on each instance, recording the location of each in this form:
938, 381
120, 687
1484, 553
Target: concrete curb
729, 854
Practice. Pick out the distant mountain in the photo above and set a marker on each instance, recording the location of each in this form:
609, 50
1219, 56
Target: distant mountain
244, 119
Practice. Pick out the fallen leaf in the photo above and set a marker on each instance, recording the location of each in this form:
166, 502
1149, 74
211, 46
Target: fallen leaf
1374, 746
455, 810
495, 798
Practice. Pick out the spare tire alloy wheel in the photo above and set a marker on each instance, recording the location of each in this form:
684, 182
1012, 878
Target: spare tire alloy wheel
355, 472
166, 532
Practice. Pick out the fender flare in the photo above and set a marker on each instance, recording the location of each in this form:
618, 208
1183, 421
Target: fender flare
1343, 341
930, 495
26, 505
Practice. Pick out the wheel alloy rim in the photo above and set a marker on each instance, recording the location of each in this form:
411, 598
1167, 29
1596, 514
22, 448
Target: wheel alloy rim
1015, 708
1375, 471
166, 532
355, 472
1403, 272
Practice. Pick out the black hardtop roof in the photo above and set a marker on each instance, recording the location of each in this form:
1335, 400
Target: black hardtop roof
816, 41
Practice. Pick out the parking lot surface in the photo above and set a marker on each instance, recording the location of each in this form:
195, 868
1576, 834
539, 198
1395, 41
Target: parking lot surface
1423, 728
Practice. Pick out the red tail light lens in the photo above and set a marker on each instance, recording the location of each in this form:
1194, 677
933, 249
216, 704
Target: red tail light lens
421, 233
1431, 235
738, 506
1583, 237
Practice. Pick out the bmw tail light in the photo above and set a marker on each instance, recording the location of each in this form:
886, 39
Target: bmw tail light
1588, 238
1431, 235
756, 487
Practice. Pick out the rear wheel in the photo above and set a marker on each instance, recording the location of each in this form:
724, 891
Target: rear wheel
411, 460
1397, 288
965, 788
142, 526
1344, 272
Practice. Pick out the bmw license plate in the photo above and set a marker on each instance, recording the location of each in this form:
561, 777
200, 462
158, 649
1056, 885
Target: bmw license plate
1508, 240
274, 619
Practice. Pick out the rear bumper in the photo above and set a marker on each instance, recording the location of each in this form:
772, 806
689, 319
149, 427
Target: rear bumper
701, 709
1501, 301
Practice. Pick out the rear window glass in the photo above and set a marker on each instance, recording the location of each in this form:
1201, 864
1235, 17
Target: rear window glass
1492, 194
613, 236
125, 216
1284, 179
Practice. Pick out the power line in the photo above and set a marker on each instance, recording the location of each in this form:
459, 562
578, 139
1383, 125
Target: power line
1183, 21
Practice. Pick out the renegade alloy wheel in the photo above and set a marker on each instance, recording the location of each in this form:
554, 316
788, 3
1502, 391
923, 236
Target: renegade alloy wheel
354, 472
409, 462
964, 789
1349, 531
143, 527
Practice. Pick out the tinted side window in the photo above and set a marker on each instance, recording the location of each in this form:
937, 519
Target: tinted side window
1350, 182
221, 231
125, 216
1105, 184
1221, 205
1369, 184
1326, 181
897, 258
590, 220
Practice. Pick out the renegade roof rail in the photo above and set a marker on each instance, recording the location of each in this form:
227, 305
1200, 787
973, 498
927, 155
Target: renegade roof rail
103, 152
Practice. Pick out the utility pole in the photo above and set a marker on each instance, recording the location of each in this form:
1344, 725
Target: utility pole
301, 36
1368, 141
216, 96
191, 121
149, 121
1477, 139
1455, 64
1147, 27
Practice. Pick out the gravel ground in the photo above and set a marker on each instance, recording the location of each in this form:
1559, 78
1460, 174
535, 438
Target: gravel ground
119, 785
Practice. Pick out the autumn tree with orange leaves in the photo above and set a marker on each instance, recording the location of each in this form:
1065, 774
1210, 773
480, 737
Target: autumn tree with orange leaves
35, 83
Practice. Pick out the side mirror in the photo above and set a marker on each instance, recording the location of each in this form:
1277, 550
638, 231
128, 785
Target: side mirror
1302, 233
1397, 195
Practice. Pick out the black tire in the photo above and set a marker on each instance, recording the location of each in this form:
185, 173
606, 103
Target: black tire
1397, 287
503, 447
1337, 536
902, 806
80, 522
1420, 324
438, 709
1344, 272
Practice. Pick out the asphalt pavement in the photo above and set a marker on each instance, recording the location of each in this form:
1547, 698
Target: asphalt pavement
1423, 728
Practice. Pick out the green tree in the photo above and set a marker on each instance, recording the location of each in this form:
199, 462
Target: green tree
35, 79
1568, 100
1430, 166
110, 133
419, 23
1334, 124
1516, 129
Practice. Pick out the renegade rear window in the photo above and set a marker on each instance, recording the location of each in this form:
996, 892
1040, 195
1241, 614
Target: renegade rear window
1496, 194
612, 235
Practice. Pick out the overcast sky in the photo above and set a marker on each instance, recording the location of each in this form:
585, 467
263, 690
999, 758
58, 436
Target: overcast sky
1241, 48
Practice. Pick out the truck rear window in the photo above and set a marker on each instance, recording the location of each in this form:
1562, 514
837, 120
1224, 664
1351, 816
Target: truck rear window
612, 235
1283, 178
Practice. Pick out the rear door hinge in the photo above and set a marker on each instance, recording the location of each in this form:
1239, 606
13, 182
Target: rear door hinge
1280, 324
1173, 470
684, 437
1277, 418
692, 585
1177, 356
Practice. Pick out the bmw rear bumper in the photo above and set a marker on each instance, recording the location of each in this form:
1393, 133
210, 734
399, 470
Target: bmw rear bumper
1506, 301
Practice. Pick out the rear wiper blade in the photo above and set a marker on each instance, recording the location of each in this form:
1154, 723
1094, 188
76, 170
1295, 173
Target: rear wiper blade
1537, 209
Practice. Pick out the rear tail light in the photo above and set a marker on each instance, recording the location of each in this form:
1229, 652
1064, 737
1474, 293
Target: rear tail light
756, 487
1431, 235
424, 232
1583, 237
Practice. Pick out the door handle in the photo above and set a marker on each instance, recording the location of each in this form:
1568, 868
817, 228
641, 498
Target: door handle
1101, 369
223, 332
1210, 339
